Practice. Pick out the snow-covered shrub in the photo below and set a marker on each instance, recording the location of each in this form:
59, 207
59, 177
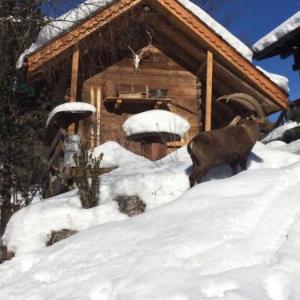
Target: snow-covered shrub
86, 177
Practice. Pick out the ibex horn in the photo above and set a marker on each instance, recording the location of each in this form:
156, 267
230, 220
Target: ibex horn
247, 101
234, 121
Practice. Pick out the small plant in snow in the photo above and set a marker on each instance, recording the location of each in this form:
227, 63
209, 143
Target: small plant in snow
86, 176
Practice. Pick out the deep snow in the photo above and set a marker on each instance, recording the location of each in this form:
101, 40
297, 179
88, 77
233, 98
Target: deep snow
236, 238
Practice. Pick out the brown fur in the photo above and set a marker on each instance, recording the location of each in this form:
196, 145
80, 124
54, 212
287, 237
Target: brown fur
230, 145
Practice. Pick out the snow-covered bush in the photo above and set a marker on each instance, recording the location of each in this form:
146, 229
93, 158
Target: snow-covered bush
86, 176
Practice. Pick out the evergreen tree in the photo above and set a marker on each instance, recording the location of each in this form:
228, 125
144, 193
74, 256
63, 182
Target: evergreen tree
21, 163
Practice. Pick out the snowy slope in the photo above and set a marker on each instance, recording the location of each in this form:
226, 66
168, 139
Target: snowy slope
236, 238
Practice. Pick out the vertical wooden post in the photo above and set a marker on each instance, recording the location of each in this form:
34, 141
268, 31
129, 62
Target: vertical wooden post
92, 101
74, 81
209, 83
98, 117
74, 75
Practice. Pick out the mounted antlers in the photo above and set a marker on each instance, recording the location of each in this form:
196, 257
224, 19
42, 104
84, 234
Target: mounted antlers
138, 58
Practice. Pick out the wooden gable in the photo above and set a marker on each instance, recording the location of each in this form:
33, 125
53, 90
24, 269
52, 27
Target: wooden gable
195, 39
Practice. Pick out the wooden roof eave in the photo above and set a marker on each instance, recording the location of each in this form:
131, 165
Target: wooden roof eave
78, 32
213, 42
222, 50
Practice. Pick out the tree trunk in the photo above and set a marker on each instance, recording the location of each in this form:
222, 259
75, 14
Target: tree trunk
5, 213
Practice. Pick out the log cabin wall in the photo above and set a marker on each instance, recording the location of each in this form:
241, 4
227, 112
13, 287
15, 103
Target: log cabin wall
157, 71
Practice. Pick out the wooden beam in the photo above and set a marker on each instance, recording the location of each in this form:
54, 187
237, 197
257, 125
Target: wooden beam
200, 69
98, 114
74, 74
208, 97
73, 128
73, 36
92, 101
196, 29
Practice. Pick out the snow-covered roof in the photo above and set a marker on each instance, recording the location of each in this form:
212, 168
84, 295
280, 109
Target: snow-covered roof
156, 121
65, 22
280, 80
233, 41
278, 33
71, 107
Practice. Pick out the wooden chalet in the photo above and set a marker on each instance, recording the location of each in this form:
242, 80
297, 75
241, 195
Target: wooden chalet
185, 59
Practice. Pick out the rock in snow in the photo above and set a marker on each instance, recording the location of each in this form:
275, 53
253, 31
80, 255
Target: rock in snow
235, 238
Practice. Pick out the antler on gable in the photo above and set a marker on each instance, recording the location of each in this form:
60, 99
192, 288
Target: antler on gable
138, 58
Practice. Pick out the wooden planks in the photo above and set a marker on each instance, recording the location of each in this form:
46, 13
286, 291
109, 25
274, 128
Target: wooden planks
181, 85
99, 98
208, 98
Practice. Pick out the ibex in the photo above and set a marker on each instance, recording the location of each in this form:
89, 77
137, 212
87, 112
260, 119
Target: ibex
230, 145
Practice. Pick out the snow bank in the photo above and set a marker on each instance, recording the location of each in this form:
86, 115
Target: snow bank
71, 107
156, 183
279, 131
282, 30
68, 20
280, 80
236, 238
29, 228
114, 155
293, 147
156, 121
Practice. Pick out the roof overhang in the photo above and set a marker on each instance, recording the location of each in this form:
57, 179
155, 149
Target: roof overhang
285, 46
185, 20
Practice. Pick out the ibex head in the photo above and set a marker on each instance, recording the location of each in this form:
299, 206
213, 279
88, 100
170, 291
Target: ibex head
252, 108
138, 58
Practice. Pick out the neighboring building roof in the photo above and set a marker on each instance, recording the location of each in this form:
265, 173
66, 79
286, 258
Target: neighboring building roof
71, 18
280, 40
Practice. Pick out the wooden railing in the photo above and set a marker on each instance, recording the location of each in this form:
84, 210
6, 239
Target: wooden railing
56, 149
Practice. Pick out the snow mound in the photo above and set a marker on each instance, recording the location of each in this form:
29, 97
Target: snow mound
71, 107
156, 183
280, 80
114, 156
282, 30
29, 228
236, 238
154, 121
279, 131
293, 147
